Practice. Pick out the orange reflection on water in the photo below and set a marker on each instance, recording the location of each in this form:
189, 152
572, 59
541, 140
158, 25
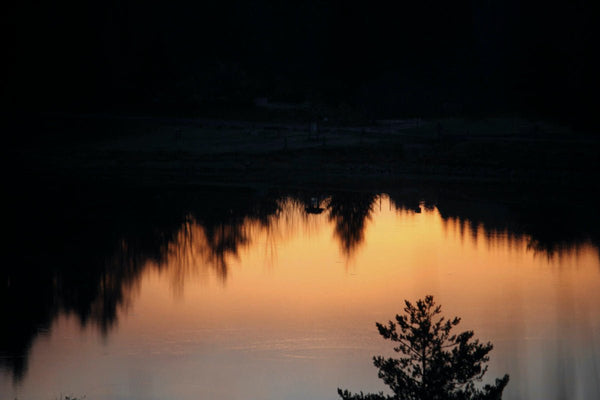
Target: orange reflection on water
280, 308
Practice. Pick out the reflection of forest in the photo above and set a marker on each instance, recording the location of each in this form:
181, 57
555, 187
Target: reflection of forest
349, 212
83, 251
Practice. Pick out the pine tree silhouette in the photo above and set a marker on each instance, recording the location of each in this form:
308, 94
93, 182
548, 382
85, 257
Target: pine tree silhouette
435, 364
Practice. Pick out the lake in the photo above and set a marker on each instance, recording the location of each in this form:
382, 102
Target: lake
260, 294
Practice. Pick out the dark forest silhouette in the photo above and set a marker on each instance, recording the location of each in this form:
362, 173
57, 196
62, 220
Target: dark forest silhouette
407, 58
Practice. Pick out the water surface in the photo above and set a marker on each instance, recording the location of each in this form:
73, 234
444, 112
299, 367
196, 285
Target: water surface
277, 299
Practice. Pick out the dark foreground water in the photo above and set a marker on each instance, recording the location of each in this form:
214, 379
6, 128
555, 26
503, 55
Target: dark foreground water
239, 294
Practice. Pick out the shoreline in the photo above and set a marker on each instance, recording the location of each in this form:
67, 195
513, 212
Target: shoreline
156, 152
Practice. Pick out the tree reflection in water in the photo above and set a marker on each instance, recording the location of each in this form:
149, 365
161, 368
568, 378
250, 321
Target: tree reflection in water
83, 252
349, 212
196, 247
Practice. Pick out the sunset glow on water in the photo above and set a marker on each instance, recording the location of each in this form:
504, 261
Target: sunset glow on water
287, 310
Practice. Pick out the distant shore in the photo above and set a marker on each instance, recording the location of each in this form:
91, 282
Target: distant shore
191, 151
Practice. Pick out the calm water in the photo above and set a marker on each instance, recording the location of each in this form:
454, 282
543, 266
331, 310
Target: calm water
276, 300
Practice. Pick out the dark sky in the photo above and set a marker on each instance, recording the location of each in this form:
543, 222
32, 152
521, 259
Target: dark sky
391, 57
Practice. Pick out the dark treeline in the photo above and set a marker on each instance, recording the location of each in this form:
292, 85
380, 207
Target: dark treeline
412, 58
82, 250
550, 223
